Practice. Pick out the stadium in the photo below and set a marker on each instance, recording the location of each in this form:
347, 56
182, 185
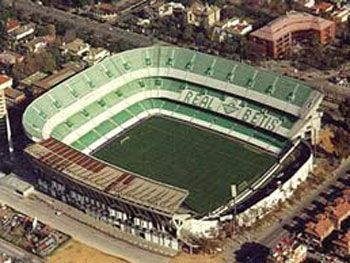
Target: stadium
152, 140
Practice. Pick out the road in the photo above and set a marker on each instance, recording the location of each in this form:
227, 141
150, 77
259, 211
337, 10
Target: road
78, 230
103, 30
271, 230
274, 234
313, 77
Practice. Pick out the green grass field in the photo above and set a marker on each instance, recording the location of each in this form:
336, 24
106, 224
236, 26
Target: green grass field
183, 155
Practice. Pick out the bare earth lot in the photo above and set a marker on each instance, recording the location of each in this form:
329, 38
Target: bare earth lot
75, 252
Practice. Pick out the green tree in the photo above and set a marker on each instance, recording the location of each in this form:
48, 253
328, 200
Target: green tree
188, 33
344, 109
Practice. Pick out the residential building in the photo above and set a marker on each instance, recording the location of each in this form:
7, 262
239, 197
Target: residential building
204, 15
104, 12
341, 15
339, 211
76, 48
309, 3
343, 243
28, 81
322, 8
320, 229
14, 97
231, 29
9, 58
23, 32
38, 43
168, 9
97, 54
278, 37
11, 25
289, 250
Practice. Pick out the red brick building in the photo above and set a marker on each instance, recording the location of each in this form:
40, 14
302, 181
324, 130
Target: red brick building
320, 229
276, 38
343, 243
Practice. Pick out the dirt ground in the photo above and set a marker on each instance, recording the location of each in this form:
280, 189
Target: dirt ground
325, 140
75, 252
186, 258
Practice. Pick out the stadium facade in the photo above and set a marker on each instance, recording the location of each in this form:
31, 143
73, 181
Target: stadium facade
258, 108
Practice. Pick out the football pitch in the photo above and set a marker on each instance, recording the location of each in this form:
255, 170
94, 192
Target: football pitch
180, 154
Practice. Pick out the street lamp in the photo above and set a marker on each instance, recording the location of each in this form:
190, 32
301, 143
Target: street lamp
234, 195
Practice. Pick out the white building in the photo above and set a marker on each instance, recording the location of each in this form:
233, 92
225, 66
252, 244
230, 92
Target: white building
97, 54
341, 15
168, 9
231, 29
23, 32
76, 48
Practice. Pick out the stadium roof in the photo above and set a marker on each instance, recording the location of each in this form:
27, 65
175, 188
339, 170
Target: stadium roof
113, 181
278, 92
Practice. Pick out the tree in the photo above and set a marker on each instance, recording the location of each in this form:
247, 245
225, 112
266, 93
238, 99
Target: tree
188, 33
200, 39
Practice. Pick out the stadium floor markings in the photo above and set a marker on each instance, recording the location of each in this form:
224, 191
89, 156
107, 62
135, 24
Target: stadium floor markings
162, 149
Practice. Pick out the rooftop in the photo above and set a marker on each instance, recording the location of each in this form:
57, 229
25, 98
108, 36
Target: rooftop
33, 78
113, 181
5, 82
13, 93
339, 209
12, 181
75, 46
4, 79
343, 240
10, 58
293, 21
54, 79
199, 9
105, 8
12, 24
321, 228
323, 7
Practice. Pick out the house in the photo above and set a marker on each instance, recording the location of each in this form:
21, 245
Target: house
343, 243
9, 58
231, 29
97, 54
76, 48
320, 229
168, 9
23, 32
322, 8
341, 15
11, 25
38, 43
338, 211
14, 97
203, 15
28, 81
289, 250
338, 3
309, 3
104, 12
